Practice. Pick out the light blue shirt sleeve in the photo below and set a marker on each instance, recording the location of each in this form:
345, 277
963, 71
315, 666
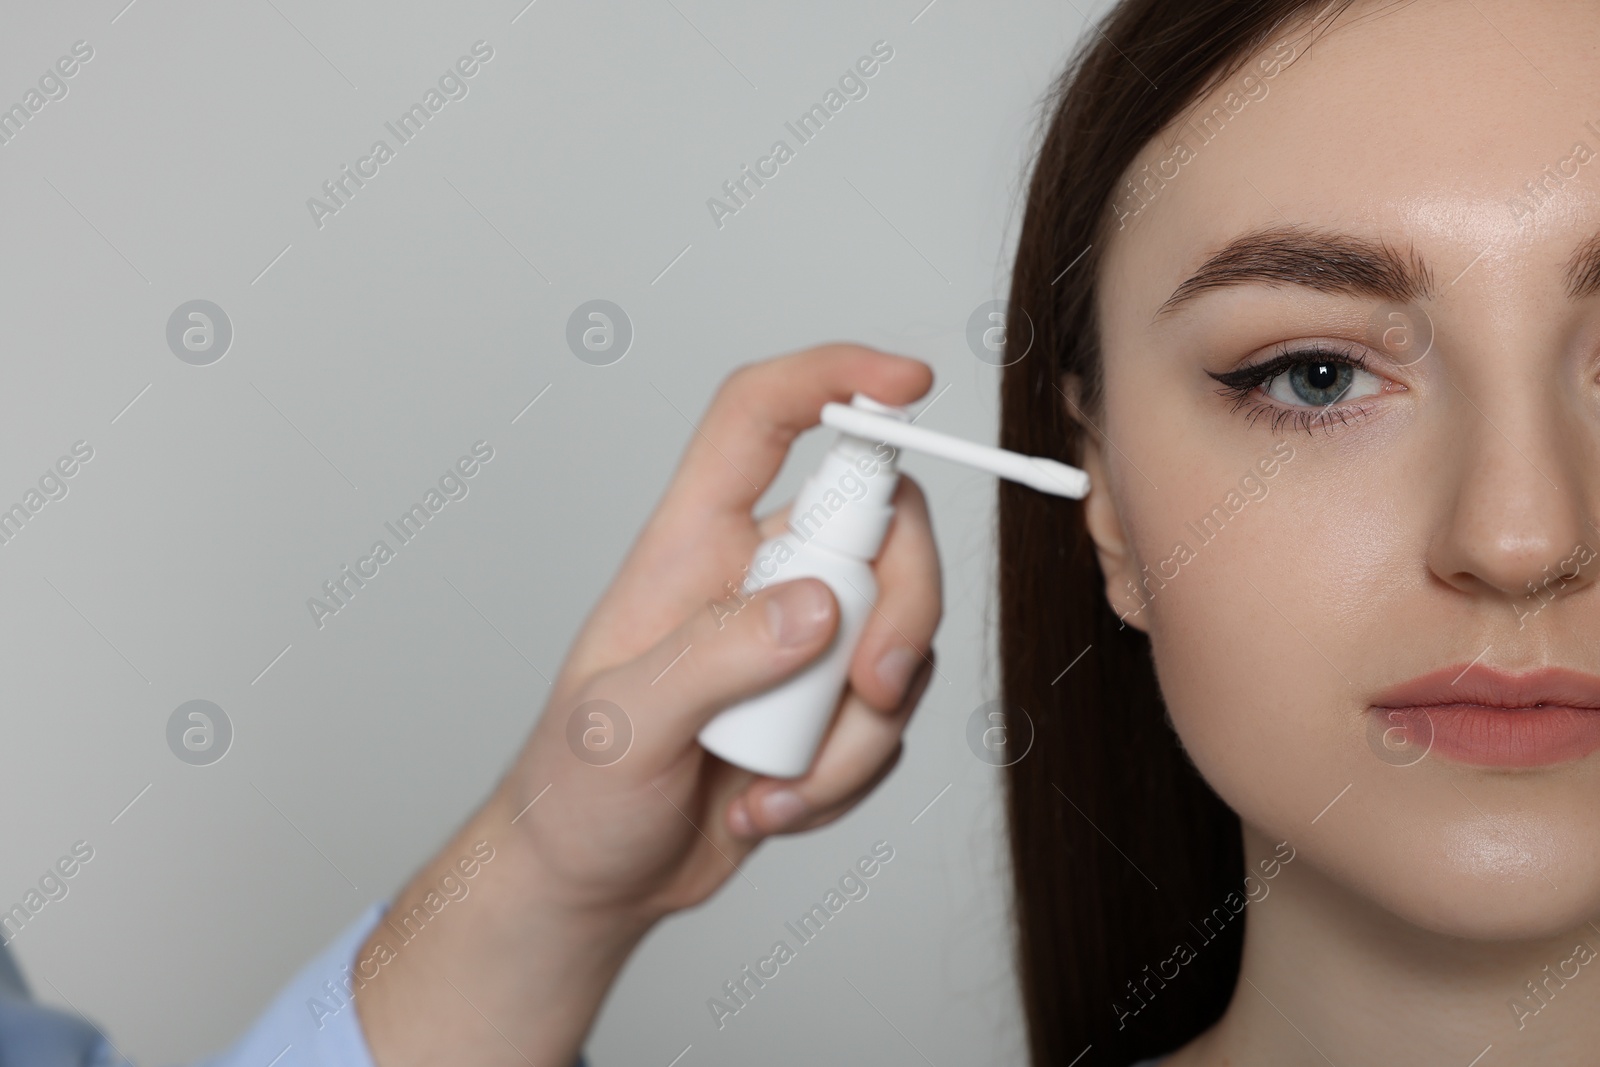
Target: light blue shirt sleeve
312, 1022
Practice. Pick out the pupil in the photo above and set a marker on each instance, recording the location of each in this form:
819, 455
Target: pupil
1322, 382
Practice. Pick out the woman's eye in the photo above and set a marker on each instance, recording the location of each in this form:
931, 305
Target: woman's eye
1314, 386
1321, 383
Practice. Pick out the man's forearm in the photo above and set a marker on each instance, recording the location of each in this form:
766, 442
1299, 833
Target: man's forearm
471, 967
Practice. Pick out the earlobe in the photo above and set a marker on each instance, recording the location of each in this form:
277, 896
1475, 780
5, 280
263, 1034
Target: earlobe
1100, 515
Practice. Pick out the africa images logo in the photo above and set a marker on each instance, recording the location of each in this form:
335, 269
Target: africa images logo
453, 85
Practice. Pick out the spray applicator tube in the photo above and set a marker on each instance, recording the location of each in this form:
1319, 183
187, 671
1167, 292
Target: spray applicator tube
836, 526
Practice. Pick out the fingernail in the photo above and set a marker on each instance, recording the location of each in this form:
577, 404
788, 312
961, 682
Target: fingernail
894, 670
782, 807
797, 612
739, 821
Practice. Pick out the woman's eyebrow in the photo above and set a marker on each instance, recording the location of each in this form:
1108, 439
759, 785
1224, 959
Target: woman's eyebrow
1583, 270
1324, 260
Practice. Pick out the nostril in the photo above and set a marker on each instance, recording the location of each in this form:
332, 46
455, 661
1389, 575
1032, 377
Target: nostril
1555, 579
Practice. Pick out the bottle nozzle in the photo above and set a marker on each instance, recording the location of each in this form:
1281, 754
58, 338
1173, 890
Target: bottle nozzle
865, 417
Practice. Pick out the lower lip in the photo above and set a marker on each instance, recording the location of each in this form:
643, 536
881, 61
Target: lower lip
1500, 737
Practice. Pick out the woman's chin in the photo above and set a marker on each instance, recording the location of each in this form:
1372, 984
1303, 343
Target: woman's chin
1531, 876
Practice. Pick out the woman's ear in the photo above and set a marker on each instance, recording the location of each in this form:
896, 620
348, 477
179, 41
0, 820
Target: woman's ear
1111, 544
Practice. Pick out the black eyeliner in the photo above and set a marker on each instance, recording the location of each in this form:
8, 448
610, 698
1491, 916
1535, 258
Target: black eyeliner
1239, 386
1246, 378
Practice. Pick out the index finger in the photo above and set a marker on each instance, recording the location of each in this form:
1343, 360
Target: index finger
762, 407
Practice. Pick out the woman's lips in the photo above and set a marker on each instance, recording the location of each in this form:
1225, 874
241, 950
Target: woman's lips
1490, 718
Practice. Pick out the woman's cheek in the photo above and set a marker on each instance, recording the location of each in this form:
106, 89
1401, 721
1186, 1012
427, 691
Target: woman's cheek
1255, 704
1259, 640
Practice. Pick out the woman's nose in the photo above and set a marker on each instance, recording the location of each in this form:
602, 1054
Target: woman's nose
1518, 521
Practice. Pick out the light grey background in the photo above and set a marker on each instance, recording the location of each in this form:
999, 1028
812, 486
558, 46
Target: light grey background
370, 354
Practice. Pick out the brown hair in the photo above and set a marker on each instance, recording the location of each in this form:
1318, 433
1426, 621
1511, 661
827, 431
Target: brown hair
1118, 846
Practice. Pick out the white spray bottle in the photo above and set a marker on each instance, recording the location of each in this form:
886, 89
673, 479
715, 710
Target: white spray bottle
836, 525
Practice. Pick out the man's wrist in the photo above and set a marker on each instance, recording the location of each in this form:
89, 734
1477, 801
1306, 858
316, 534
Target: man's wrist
479, 960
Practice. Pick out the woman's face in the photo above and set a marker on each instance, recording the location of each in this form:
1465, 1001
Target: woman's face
1416, 200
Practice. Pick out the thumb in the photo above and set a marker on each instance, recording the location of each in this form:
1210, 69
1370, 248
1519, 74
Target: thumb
714, 659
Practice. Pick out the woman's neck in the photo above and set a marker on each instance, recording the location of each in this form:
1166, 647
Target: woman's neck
1328, 977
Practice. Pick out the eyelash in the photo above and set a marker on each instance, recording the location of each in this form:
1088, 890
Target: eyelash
1239, 387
